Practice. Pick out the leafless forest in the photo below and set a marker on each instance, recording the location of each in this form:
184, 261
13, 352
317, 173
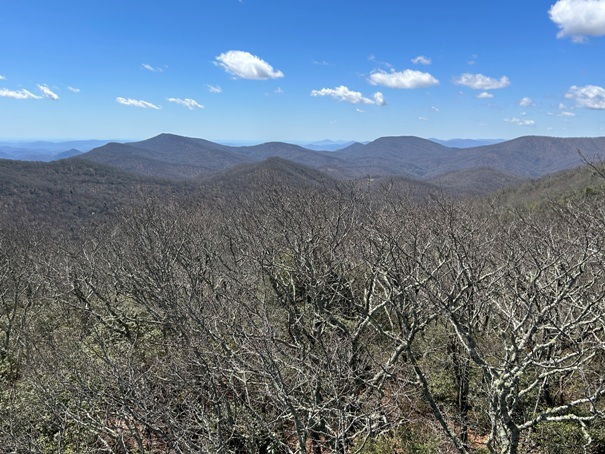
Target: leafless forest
307, 320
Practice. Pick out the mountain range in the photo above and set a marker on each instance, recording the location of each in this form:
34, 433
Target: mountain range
94, 184
46, 151
177, 157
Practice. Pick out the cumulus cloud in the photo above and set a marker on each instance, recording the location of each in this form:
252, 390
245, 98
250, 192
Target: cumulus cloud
589, 96
484, 95
153, 69
214, 88
526, 102
404, 79
520, 122
244, 65
379, 99
74, 89
137, 103
481, 82
2, 77
342, 93
421, 60
18, 94
48, 93
578, 19
187, 102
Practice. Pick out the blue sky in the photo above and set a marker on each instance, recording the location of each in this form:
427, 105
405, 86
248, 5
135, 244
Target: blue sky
301, 70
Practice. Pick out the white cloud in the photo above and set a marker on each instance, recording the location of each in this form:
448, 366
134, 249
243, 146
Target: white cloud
321, 63
404, 79
279, 91
435, 109
567, 114
589, 96
360, 110
187, 102
48, 93
214, 88
379, 99
481, 82
73, 89
578, 18
153, 69
423, 119
484, 95
244, 65
137, 103
526, 102
18, 94
342, 93
520, 122
2, 77
421, 60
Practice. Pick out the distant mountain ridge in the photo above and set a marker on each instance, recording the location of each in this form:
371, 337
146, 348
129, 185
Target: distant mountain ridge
178, 157
45, 150
467, 143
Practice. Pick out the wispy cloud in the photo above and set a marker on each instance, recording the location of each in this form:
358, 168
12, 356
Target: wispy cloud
48, 93
484, 95
214, 88
404, 79
578, 19
74, 89
421, 60
244, 65
520, 122
434, 109
589, 96
153, 69
2, 77
342, 93
566, 114
526, 102
481, 82
187, 102
18, 94
137, 103
321, 63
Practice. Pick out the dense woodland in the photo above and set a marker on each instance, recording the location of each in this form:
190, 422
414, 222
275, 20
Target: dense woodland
141, 316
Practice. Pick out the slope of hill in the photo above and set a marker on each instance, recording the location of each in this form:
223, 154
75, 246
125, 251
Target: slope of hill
475, 181
65, 194
167, 156
272, 172
531, 156
561, 187
407, 155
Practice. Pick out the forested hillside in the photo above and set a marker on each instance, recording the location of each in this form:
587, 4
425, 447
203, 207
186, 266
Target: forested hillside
322, 317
